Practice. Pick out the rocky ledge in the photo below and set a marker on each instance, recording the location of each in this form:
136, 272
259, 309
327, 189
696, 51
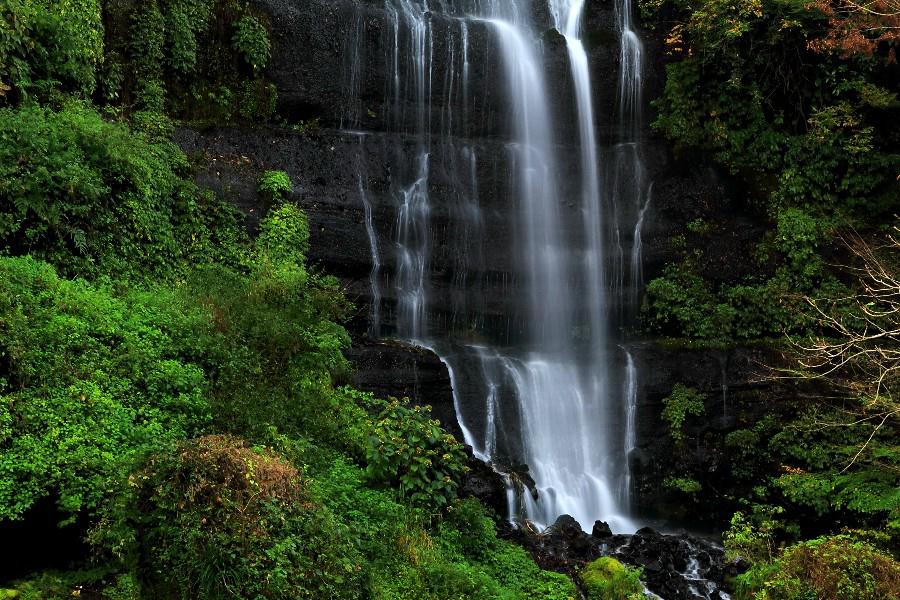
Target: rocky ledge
675, 566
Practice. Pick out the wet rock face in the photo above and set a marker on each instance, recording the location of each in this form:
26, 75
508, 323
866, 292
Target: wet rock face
394, 369
333, 61
737, 394
484, 483
675, 567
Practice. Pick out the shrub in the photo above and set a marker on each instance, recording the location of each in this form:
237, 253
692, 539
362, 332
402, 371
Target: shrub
276, 352
283, 236
275, 185
412, 451
251, 40
608, 579
88, 383
681, 402
93, 197
685, 485
746, 539
49, 45
218, 519
828, 568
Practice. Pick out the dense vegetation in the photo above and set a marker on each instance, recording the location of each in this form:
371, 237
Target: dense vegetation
797, 104
172, 390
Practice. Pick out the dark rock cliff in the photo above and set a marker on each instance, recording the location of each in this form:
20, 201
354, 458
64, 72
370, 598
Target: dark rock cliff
736, 395
332, 62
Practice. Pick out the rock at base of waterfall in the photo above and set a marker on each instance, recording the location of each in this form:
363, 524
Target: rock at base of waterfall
601, 530
484, 483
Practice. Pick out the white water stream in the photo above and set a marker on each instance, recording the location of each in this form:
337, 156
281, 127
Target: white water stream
570, 410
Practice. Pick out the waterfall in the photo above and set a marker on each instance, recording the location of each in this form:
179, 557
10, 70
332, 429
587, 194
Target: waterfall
542, 380
637, 262
375, 273
631, 397
629, 193
414, 208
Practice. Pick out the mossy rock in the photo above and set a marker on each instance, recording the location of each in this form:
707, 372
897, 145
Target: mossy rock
608, 579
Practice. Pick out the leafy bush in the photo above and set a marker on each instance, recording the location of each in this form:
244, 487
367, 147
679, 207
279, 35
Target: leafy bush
283, 236
748, 540
252, 41
243, 517
199, 59
275, 354
462, 559
412, 451
88, 383
685, 485
682, 303
94, 197
608, 579
275, 185
828, 568
848, 467
681, 402
49, 45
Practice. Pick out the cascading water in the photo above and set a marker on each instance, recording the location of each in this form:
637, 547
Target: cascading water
375, 273
629, 193
631, 397
413, 211
549, 399
563, 399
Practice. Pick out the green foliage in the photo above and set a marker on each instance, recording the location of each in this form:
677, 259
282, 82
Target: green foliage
125, 587
47, 46
251, 40
90, 382
200, 59
95, 197
283, 236
841, 466
685, 485
274, 353
683, 401
62, 585
243, 518
403, 560
752, 541
147, 46
811, 142
410, 450
608, 579
699, 227
186, 21
683, 303
750, 456
828, 568
276, 185
257, 100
